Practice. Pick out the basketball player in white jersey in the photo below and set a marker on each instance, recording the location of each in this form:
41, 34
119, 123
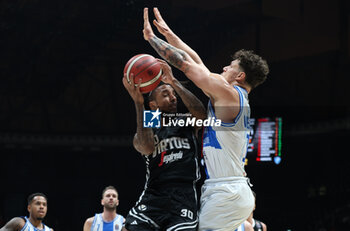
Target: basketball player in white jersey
108, 220
37, 208
226, 200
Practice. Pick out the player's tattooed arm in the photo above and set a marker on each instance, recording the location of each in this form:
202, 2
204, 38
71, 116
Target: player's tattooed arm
176, 57
15, 224
192, 103
143, 139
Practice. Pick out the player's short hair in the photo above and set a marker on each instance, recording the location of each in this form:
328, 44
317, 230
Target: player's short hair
152, 95
107, 188
31, 197
255, 68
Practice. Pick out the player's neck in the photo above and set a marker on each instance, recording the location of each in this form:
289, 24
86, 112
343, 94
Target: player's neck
250, 218
36, 223
244, 86
109, 215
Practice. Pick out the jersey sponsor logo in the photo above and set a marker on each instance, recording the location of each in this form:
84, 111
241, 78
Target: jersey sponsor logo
170, 157
170, 144
151, 119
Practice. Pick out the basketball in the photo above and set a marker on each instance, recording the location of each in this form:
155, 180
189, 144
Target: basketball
147, 68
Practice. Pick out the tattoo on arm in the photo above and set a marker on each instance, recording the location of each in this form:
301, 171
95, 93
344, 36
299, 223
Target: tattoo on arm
145, 139
193, 104
174, 56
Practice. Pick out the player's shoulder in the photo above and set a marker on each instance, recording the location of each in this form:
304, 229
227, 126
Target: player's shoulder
16, 223
20, 220
88, 223
90, 220
248, 226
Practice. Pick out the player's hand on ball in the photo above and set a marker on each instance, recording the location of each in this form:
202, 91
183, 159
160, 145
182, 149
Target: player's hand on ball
167, 75
147, 29
134, 91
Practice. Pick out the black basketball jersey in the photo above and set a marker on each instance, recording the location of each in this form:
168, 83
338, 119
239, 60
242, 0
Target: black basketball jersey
174, 160
257, 225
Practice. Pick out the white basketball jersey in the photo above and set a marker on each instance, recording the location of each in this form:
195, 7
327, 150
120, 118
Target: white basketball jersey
225, 146
100, 225
29, 227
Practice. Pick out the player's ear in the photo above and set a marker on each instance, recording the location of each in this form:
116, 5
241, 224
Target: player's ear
102, 201
241, 76
153, 105
29, 207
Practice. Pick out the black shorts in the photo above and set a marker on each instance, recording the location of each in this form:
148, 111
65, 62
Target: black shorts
170, 209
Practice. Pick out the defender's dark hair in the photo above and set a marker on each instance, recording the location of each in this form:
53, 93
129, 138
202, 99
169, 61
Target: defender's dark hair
255, 68
107, 188
31, 197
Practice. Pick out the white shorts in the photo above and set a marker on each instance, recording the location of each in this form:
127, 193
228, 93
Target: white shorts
225, 203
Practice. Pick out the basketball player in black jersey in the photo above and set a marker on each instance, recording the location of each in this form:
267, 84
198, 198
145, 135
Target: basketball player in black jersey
169, 200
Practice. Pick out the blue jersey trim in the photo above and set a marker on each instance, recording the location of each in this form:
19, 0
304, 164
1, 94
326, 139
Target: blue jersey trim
26, 224
210, 139
32, 226
240, 104
94, 221
240, 94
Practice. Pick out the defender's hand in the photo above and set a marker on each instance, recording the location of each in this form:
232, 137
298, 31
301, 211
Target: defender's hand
134, 91
147, 29
161, 25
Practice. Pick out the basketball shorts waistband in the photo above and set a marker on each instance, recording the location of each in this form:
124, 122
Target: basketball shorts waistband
232, 179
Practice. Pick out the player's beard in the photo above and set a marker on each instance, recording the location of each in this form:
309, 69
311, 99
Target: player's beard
110, 207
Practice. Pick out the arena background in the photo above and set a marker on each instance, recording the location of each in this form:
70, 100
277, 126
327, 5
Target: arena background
66, 121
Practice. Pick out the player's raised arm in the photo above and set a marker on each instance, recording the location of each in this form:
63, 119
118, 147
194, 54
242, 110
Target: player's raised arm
143, 139
197, 73
161, 46
172, 38
192, 103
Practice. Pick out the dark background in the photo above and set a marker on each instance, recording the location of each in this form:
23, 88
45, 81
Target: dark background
66, 121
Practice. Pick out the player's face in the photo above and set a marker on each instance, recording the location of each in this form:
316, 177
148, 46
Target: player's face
166, 98
110, 199
232, 70
38, 208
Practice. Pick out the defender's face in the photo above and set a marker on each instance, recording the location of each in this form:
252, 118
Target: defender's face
110, 199
166, 99
232, 70
38, 208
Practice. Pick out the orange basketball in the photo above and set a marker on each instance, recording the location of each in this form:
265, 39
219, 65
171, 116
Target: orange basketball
147, 68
